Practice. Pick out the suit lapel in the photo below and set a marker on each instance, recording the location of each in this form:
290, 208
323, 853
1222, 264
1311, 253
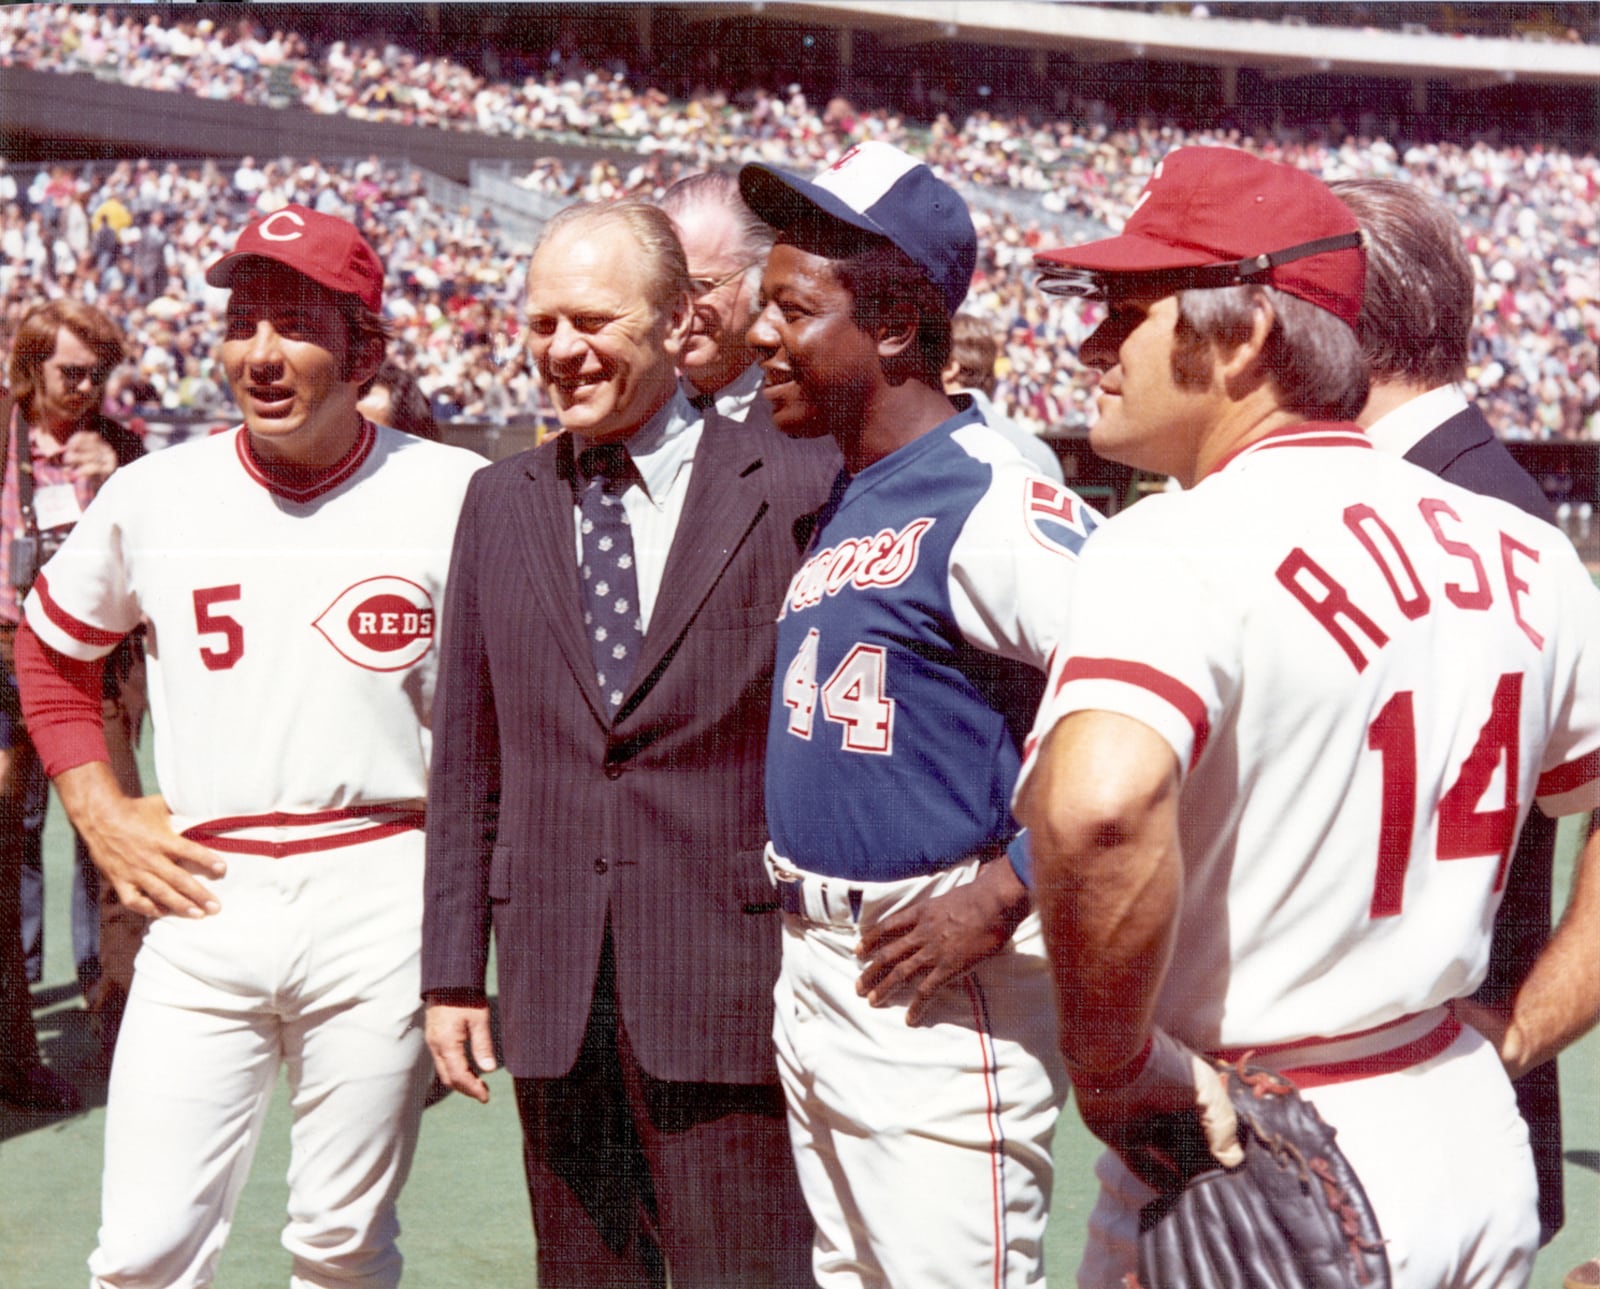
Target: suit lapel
547, 539
726, 496
1439, 447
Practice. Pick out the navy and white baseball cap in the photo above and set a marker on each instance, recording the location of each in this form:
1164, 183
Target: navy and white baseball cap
880, 190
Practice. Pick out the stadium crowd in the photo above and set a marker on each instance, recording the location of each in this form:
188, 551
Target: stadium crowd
1532, 214
134, 240
135, 237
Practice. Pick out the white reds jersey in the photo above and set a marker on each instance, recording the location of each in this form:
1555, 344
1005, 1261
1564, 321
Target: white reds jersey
1367, 676
292, 653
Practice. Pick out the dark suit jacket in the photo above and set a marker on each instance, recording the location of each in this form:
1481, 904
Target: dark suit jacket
546, 819
1465, 451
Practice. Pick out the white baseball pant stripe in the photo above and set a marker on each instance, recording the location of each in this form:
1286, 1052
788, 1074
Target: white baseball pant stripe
1442, 1153
924, 1152
312, 966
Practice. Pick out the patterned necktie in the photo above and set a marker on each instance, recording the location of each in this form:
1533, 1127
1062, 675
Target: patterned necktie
610, 585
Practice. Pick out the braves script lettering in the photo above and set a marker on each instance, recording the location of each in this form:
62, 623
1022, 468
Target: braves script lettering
886, 558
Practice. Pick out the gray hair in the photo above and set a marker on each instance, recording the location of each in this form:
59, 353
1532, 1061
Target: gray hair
1312, 357
718, 189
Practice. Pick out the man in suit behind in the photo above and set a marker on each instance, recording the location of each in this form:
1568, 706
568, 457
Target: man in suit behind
726, 246
597, 787
1414, 327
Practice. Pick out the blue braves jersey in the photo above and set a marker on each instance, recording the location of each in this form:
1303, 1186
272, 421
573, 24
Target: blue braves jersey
912, 647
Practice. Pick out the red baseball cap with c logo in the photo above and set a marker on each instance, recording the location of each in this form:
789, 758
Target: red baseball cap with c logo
327, 249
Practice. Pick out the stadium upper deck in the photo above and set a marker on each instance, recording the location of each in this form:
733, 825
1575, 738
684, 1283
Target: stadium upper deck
602, 97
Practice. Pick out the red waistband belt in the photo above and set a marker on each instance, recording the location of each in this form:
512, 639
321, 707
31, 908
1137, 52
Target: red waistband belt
1361, 1067
379, 822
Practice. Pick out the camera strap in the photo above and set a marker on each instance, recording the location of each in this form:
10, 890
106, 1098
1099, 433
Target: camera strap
24, 445
6, 404
11, 414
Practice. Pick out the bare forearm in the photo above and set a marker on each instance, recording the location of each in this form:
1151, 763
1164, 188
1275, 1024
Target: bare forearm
1102, 814
1012, 899
88, 792
1559, 1002
1108, 912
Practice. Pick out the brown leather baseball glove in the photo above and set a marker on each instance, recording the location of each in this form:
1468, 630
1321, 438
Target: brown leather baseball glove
1293, 1215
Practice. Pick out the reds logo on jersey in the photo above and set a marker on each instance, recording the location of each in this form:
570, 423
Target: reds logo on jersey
1056, 518
382, 623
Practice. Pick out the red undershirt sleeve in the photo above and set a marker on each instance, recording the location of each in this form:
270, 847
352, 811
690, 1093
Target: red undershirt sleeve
60, 704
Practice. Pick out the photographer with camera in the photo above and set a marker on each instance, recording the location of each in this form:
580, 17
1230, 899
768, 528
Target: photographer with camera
60, 447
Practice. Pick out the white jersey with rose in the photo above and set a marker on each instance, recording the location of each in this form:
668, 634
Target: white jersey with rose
292, 634
1367, 676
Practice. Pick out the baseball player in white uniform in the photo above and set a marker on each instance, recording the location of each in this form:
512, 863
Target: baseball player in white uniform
913, 1028
1301, 710
291, 571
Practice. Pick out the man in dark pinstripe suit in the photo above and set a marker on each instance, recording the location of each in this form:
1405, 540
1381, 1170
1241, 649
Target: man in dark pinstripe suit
1415, 327
597, 788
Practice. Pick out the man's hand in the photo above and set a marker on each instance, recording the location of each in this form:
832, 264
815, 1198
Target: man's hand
1559, 1000
132, 843
1493, 1024
461, 1044
1170, 1120
941, 939
89, 456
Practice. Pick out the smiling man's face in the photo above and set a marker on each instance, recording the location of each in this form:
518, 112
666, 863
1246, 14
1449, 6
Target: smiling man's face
605, 349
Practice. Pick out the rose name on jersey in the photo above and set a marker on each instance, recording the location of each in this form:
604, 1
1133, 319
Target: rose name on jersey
885, 558
1333, 606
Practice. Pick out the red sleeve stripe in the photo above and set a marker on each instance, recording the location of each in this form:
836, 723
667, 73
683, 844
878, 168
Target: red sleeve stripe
1160, 684
82, 632
1574, 774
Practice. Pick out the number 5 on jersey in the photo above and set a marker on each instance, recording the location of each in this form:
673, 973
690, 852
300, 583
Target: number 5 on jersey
852, 697
208, 622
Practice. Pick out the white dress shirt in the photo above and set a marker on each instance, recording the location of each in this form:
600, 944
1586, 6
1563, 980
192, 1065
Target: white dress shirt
663, 451
740, 399
1402, 429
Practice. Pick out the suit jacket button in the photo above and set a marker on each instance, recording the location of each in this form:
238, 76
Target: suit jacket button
613, 770
601, 866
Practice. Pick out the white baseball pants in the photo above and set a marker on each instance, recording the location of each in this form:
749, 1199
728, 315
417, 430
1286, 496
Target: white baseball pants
924, 1153
312, 965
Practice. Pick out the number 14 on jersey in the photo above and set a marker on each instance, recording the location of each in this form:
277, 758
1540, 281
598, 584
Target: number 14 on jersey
853, 696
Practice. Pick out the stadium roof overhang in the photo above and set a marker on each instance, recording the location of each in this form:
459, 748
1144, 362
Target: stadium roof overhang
1092, 33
